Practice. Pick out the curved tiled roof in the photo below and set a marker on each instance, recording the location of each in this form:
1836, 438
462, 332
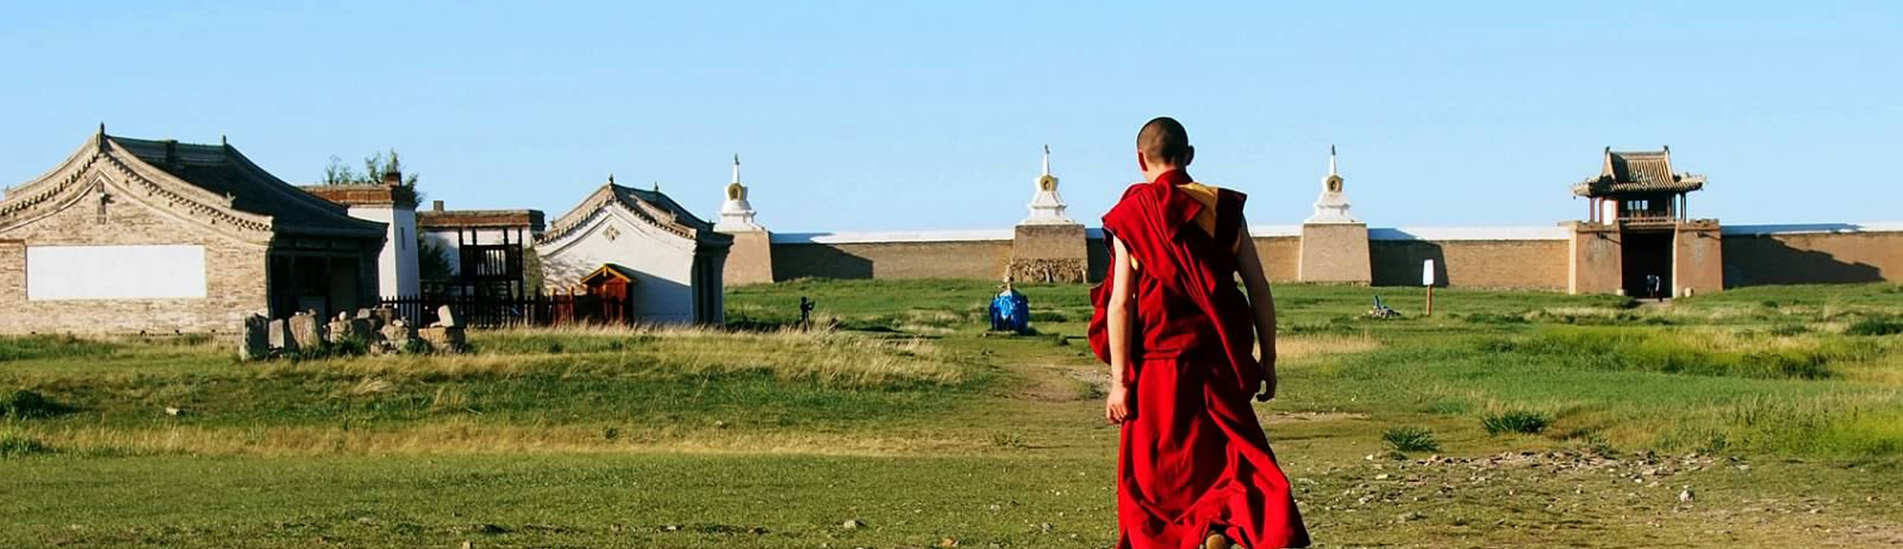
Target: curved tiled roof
223, 171
651, 207
1637, 171
213, 184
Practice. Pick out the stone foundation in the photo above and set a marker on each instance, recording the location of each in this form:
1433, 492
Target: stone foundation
1049, 253
1335, 253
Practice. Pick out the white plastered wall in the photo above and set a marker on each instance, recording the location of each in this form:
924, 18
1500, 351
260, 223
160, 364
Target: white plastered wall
396, 264
663, 262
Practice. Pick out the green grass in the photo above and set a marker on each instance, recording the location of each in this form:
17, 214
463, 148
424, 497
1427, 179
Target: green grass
916, 423
1410, 439
1515, 421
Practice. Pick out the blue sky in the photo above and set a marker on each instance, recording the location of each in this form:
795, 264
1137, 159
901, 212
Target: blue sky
854, 116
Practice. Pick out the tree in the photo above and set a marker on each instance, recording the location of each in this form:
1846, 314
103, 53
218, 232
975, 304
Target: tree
374, 168
432, 261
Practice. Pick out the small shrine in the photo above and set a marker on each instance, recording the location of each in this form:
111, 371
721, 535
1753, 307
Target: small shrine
1048, 246
1334, 243
1047, 207
736, 214
1332, 206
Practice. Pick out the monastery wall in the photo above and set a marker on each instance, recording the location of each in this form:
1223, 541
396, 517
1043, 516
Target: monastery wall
234, 273
1816, 253
1478, 257
947, 254
1534, 258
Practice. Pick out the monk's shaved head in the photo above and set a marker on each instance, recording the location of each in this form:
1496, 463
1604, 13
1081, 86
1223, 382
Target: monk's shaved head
1163, 141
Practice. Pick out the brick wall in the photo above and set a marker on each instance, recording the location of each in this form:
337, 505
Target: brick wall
235, 274
981, 259
1805, 258
1530, 264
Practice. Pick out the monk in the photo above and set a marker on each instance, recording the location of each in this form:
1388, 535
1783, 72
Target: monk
1193, 466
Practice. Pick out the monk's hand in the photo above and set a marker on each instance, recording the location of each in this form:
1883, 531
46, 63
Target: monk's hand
1268, 383
1116, 407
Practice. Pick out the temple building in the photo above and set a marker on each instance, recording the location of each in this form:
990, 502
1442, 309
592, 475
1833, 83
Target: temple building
133, 235
671, 260
1638, 234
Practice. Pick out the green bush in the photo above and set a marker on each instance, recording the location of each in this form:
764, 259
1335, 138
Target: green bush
1410, 439
1875, 326
24, 404
1492, 318
1515, 421
15, 444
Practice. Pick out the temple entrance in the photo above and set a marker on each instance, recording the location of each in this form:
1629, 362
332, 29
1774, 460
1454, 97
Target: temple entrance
1647, 254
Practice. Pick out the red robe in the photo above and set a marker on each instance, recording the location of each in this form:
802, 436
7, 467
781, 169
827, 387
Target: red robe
1192, 458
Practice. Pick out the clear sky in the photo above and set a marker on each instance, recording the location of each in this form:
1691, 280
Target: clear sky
899, 115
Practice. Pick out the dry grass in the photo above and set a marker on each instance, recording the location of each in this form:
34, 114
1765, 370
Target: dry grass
463, 436
1301, 347
833, 358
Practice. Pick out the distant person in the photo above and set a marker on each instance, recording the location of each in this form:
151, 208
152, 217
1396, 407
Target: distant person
1654, 284
1010, 311
1192, 462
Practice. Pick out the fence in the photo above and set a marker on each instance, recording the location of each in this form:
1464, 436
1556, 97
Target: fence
499, 311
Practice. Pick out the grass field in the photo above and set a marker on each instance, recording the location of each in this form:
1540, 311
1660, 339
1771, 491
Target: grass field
1765, 417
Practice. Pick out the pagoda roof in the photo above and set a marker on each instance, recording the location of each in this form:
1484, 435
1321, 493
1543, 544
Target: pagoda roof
1638, 172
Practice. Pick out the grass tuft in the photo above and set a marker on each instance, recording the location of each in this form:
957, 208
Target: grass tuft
14, 444
1875, 326
1515, 421
24, 404
1410, 439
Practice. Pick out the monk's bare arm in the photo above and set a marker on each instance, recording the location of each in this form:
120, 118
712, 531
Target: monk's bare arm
1262, 301
1121, 308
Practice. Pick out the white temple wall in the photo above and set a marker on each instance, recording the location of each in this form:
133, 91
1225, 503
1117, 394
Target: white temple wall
663, 263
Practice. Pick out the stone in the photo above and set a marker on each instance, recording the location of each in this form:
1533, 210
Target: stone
278, 336
385, 315
257, 339
1685, 496
306, 330
446, 317
336, 331
448, 339
852, 524
397, 335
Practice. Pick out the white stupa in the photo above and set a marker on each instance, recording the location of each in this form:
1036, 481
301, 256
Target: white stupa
1332, 206
736, 215
1047, 207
